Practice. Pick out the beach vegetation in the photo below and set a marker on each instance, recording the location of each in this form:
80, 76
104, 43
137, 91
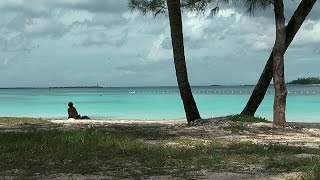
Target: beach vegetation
245, 118
123, 152
22, 120
312, 170
236, 127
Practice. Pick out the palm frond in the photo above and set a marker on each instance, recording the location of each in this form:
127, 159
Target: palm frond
159, 6
253, 5
146, 6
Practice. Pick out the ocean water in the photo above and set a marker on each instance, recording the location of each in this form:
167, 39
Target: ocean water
145, 103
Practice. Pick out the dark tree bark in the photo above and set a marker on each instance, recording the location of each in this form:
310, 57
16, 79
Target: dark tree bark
279, 106
292, 28
189, 103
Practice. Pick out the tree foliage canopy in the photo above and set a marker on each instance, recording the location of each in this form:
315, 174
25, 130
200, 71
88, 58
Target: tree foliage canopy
159, 6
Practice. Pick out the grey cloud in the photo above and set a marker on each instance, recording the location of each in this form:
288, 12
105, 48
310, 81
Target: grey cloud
191, 43
103, 19
166, 43
4, 62
113, 6
44, 27
97, 39
41, 18
37, 7
316, 50
6, 59
232, 29
16, 43
153, 66
118, 40
26, 8
100, 39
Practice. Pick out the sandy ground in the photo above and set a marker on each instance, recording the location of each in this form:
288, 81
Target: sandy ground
294, 134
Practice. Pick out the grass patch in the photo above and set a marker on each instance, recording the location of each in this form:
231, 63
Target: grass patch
15, 120
235, 127
243, 118
312, 170
122, 153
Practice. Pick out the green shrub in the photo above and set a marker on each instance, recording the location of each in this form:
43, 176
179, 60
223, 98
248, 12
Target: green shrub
244, 118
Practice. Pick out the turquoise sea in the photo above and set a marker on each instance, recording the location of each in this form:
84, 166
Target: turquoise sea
303, 102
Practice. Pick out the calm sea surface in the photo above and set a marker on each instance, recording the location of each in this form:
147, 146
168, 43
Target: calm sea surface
303, 102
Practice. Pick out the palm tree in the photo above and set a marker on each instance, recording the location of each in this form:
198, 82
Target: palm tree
189, 104
279, 106
292, 28
279, 49
174, 9
275, 64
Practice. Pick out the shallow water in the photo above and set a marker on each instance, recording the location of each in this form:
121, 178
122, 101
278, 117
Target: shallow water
303, 102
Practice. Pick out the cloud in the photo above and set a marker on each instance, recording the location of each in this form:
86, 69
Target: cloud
231, 42
160, 48
100, 39
112, 6
103, 20
166, 43
146, 66
229, 27
308, 33
44, 27
16, 43
6, 60
35, 7
316, 50
43, 18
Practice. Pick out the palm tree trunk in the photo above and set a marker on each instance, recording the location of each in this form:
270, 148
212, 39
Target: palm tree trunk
292, 28
189, 103
279, 106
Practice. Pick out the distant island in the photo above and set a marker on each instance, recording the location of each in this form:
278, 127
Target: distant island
57, 87
309, 80
53, 87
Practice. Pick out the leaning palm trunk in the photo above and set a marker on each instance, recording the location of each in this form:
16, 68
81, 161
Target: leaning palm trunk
189, 103
292, 28
279, 106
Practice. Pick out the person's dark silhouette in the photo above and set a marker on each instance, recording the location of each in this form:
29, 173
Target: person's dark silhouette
72, 112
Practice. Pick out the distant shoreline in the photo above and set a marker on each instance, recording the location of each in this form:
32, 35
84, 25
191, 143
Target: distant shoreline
99, 87
67, 87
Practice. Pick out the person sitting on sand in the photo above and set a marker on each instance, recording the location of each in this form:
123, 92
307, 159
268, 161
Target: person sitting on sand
72, 112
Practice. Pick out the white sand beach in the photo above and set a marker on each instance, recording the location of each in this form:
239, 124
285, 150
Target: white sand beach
294, 134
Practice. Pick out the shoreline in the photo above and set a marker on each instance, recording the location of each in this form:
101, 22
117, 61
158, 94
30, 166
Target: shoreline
308, 125
223, 128
312, 124
118, 121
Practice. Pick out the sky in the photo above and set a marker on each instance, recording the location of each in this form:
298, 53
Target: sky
45, 43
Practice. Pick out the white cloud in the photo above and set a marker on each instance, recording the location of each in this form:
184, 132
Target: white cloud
100, 39
157, 52
16, 43
309, 33
139, 47
43, 27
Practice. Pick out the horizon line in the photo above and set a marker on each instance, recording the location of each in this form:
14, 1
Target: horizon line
97, 87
